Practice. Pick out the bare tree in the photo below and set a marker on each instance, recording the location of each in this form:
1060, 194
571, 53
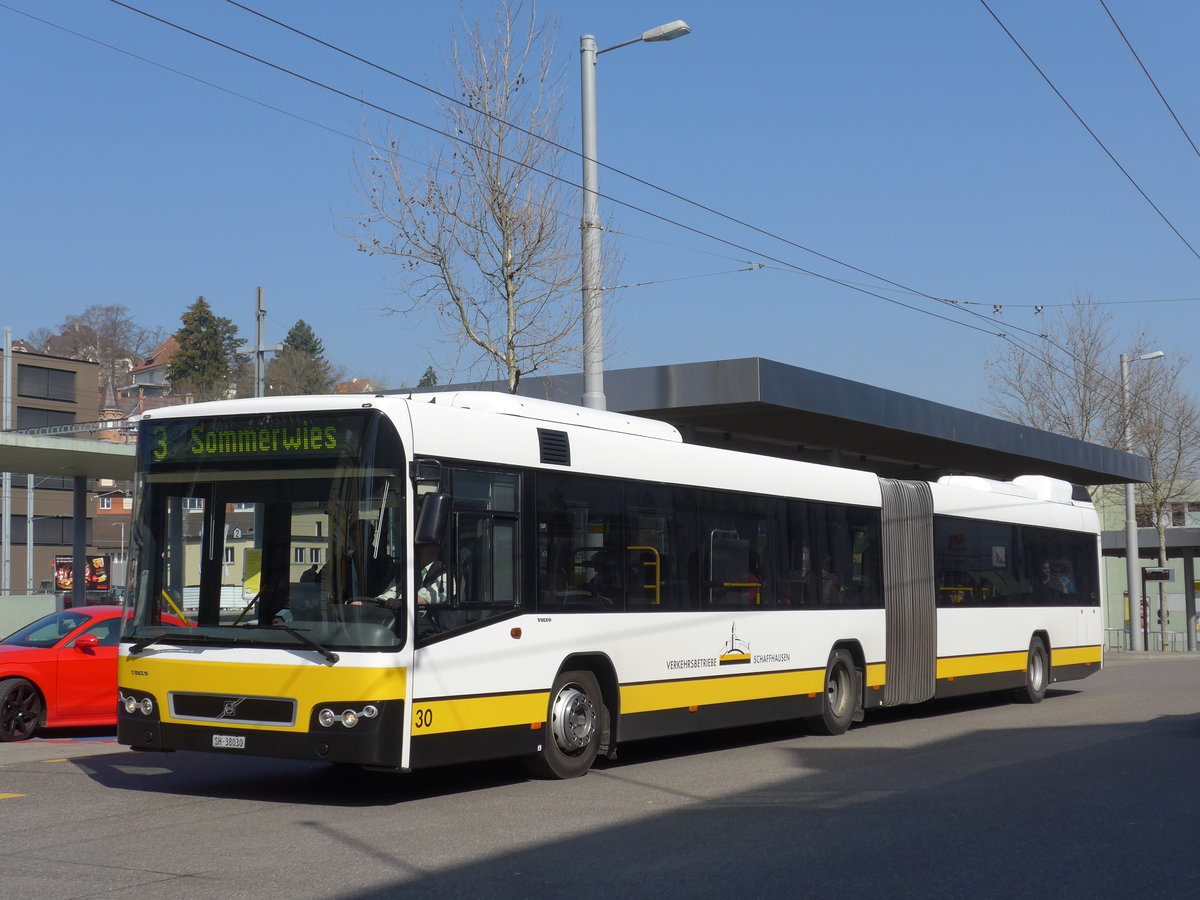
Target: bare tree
1071, 384
1164, 423
1068, 383
104, 334
39, 338
479, 228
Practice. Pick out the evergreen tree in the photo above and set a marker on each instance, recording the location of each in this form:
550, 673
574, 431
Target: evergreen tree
209, 359
301, 337
300, 367
429, 379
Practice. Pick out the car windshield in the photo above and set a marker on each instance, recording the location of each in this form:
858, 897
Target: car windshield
48, 630
280, 529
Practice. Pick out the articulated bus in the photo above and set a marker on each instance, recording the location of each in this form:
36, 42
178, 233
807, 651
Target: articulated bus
399, 582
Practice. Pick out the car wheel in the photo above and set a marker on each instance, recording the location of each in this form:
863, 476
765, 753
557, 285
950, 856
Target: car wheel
20, 709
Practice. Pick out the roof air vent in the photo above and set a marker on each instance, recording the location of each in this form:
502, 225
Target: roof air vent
555, 447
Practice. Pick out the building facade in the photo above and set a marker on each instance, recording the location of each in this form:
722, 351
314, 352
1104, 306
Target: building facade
50, 393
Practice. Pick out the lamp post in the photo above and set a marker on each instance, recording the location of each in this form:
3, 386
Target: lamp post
593, 311
1131, 531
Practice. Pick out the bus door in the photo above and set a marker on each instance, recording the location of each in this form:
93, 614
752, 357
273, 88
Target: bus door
909, 594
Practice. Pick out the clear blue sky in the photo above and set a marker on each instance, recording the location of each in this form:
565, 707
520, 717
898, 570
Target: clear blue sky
911, 140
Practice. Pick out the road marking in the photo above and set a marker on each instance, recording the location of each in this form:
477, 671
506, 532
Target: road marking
10, 796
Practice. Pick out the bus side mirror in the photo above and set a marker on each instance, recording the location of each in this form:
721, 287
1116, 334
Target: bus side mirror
431, 521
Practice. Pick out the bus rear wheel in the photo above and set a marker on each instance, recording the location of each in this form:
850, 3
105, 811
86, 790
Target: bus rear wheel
837, 701
571, 733
1037, 673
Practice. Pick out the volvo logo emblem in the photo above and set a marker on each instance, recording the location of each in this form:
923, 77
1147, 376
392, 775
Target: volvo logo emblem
230, 708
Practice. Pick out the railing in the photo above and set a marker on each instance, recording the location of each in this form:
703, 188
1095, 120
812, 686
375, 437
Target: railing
1118, 639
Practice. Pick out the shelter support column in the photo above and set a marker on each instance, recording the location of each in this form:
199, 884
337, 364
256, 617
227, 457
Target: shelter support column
1189, 596
79, 542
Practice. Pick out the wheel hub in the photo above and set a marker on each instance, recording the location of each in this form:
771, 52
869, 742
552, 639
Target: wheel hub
573, 719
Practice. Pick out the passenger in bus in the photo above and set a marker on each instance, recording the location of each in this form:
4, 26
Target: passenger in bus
1053, 579
605, 584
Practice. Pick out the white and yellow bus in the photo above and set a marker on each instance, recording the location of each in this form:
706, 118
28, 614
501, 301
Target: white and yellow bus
502, 577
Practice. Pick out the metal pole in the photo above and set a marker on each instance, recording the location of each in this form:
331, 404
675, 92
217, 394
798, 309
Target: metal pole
593, 310
79, 542
1131, 532
260, 362
6, 478
1189, 598
29, 486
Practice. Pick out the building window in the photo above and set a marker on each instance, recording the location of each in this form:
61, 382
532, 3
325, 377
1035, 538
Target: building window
106, 502
228, 554
314, 555
29, 417
45, 384
298, 555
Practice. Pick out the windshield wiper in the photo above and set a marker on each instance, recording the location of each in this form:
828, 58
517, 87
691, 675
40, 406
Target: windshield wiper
189, 637
302, 638
139, 646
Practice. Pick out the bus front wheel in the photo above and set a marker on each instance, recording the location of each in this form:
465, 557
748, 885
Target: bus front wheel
571, 732
837, 701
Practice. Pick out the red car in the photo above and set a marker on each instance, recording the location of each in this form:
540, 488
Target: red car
60, 670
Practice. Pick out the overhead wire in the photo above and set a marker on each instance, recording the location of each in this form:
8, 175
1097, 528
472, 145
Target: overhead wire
869, 289
633, 207
851, 285
786, 265
1150, 77
1089, 130
569, 150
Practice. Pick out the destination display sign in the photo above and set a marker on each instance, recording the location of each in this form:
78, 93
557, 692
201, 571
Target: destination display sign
284, 438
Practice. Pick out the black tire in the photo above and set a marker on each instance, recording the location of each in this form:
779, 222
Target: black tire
572, 730
838, 702
20, 709
1037, 673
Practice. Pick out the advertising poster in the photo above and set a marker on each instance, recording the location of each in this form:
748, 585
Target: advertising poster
95, 574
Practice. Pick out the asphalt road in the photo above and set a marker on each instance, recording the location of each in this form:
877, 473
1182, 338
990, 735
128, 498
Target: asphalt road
1089, 794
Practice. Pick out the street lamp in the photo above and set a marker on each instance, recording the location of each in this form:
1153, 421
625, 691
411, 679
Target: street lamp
593, 311
1131, 532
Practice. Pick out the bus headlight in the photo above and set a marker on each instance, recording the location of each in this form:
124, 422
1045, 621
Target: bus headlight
348, 717
134, 703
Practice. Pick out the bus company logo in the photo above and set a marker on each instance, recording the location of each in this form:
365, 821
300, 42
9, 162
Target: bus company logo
229, 710
736, 652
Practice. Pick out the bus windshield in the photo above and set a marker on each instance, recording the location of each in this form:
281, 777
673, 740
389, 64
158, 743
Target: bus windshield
281, 529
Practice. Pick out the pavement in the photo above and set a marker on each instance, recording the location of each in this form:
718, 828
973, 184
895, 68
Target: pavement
61, 743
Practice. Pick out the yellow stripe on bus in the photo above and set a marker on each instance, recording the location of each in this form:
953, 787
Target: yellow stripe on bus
307, 685
636, 698
1075, 656
984, 664
473, 713
987, 663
